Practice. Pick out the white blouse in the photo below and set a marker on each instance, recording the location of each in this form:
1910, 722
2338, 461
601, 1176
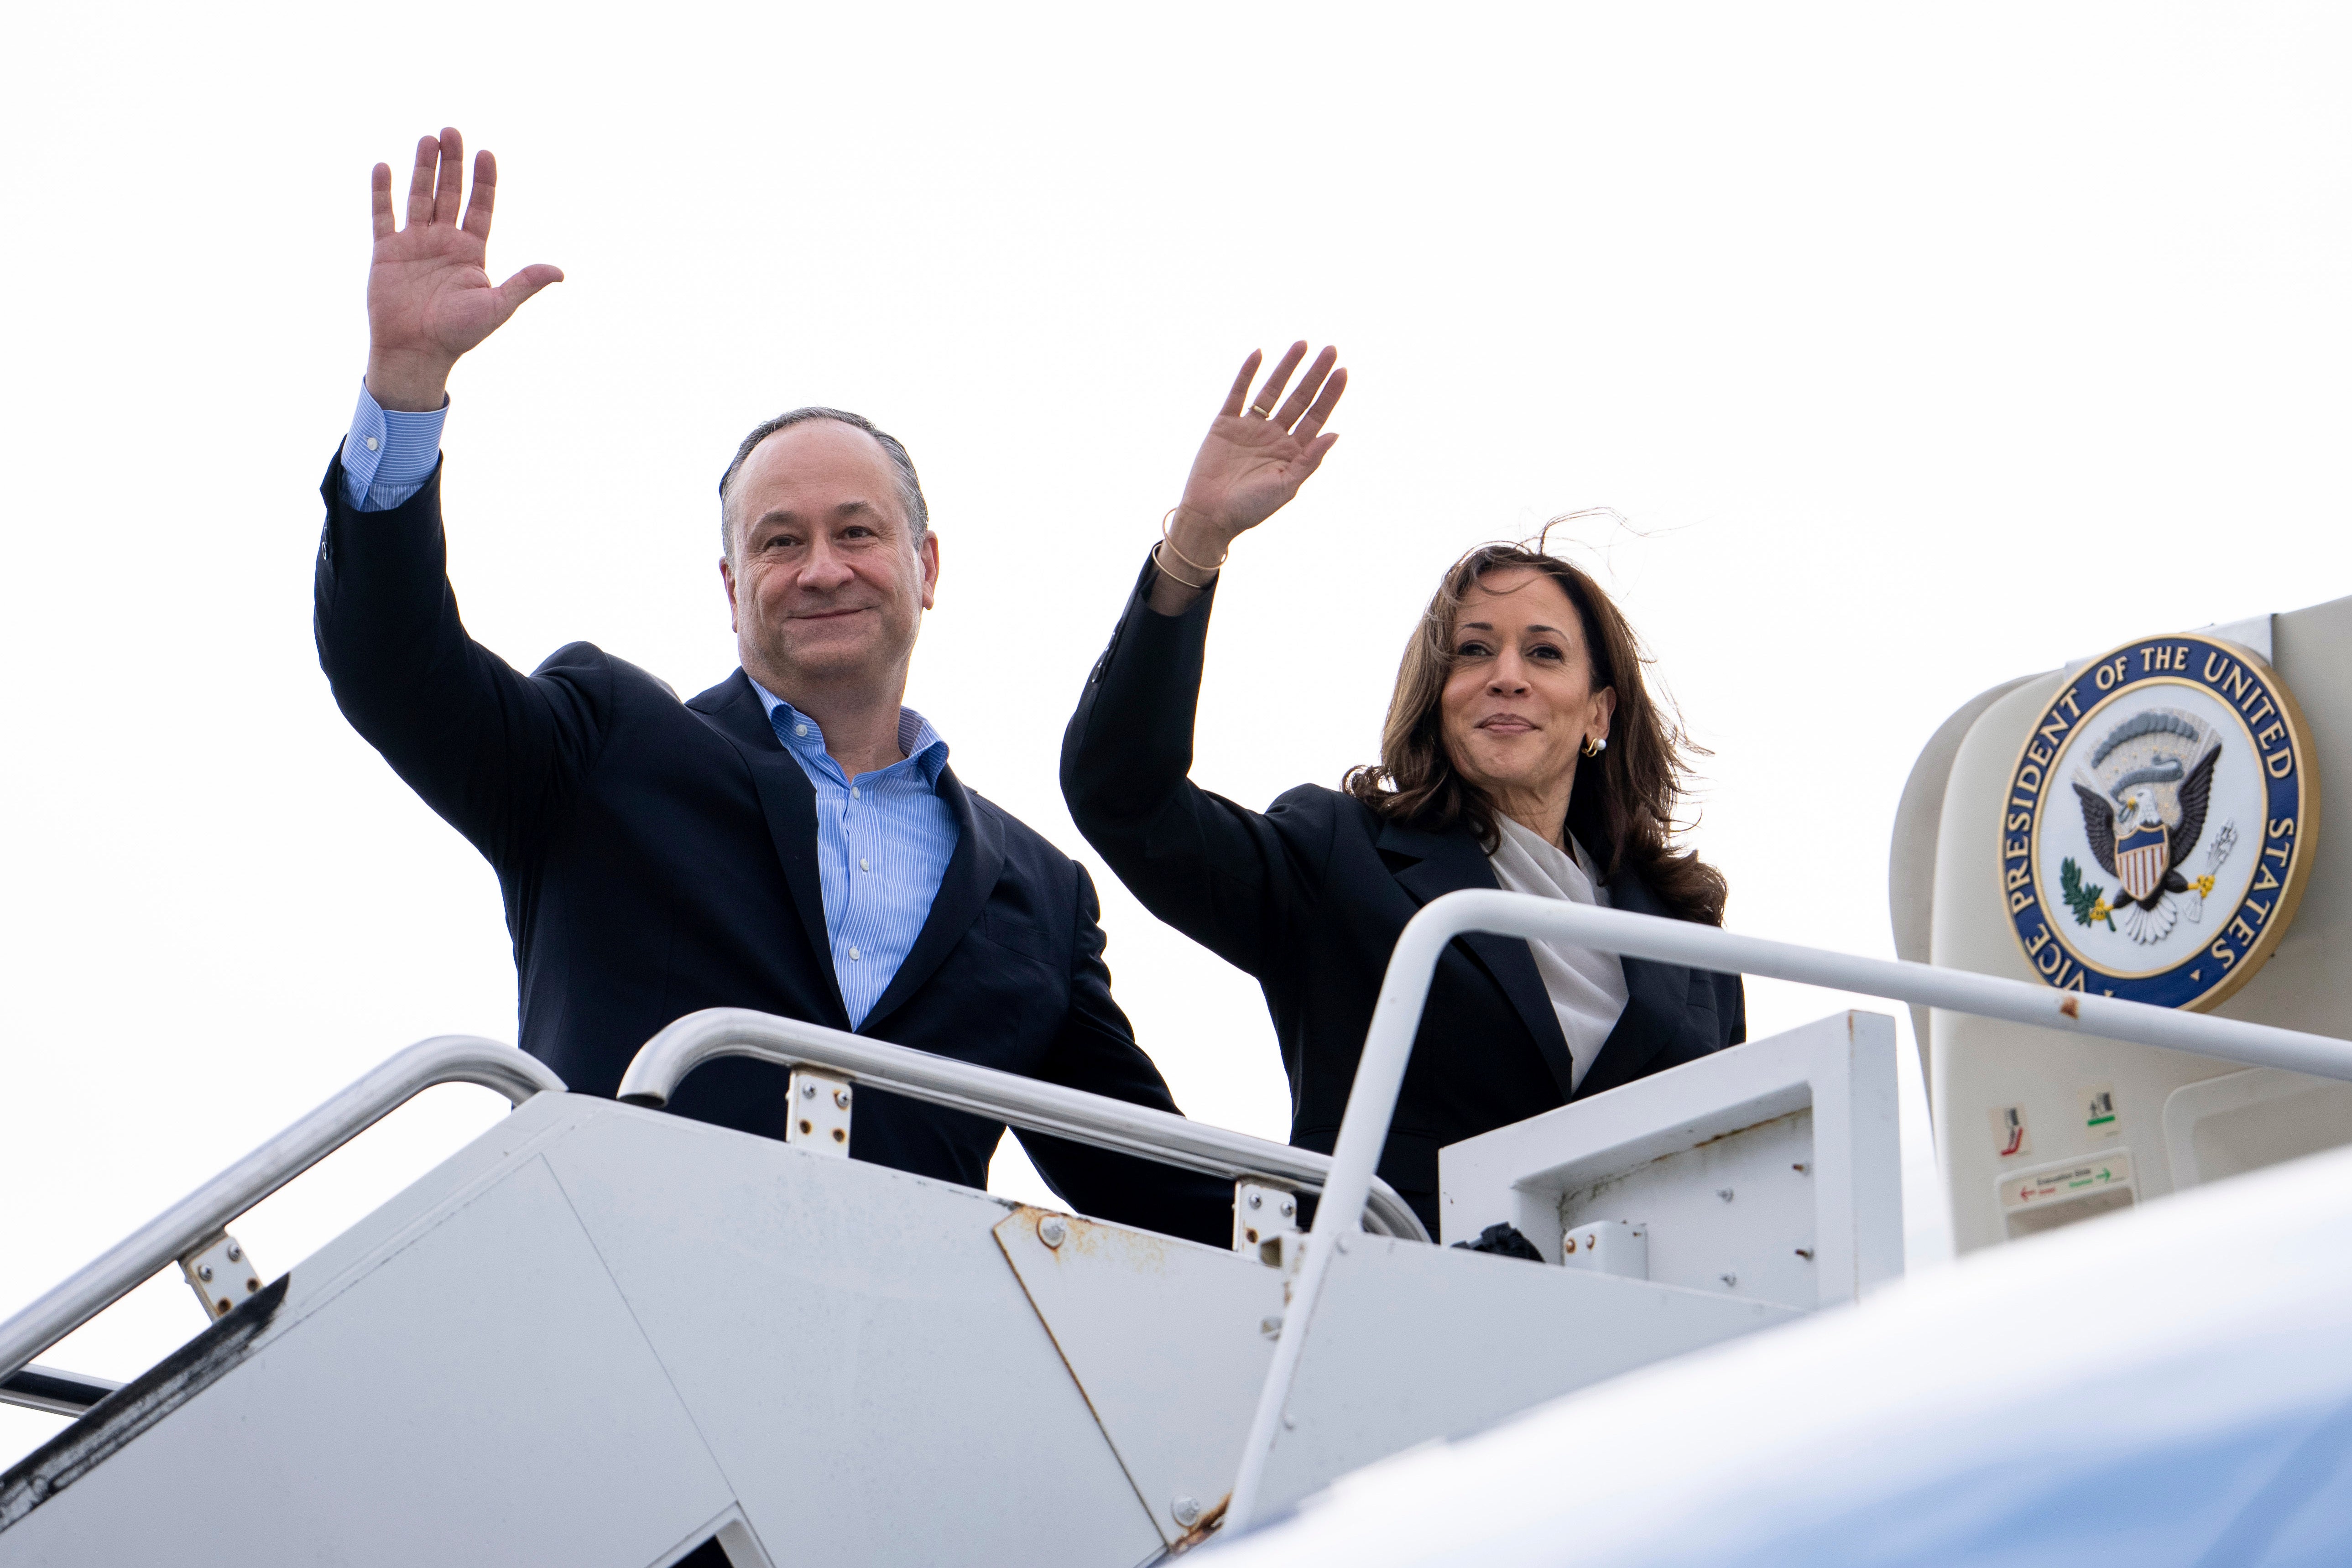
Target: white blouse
1587, 988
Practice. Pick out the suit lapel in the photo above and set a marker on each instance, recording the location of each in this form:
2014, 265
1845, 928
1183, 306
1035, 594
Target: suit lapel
1448, 862
1656, 999
788, 801
971, 877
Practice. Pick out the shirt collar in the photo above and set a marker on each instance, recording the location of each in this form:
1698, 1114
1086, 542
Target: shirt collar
923, 745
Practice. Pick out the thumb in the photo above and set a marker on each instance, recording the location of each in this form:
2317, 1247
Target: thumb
523, 285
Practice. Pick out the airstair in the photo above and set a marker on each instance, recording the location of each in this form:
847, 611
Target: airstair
600, 1334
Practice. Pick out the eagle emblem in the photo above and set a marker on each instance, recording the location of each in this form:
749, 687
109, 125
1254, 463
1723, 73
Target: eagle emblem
2157, 833
2144, 806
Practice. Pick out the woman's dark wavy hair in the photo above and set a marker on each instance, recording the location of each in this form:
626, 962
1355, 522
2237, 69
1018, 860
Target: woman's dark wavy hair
1622, 808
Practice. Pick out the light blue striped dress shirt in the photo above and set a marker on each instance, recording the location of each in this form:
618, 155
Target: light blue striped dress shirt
883, 839
883, 842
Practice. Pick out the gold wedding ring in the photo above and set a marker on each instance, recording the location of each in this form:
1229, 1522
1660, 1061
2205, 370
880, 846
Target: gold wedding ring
1261, 413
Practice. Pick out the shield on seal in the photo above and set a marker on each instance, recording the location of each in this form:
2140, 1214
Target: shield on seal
2140, 859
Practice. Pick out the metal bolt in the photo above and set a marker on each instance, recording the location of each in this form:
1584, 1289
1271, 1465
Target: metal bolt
1257, 1200
1289, 1208
1186, 1511
1722, 1193
205, 1272
1052, 1230
1341, 1241
841, 1098
808, 1092
234, 1252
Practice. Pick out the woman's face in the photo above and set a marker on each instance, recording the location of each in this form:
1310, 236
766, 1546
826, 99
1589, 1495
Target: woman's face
1520, 700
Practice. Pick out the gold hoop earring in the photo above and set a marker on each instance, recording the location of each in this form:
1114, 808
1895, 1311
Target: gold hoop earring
1594, 746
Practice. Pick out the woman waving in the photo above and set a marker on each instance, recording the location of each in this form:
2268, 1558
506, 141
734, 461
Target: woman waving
1521, 750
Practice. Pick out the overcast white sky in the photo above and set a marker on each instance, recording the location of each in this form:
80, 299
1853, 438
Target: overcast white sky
1918, 347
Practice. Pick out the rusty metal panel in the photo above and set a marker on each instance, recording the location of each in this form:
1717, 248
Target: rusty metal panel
1168, 1340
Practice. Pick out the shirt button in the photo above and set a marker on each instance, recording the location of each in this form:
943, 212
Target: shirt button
800, 729
853, 792
853, 955
862, 865
371, 443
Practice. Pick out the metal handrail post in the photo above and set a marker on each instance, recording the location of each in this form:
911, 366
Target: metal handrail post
204, 1213
1404, 991
1025, 1102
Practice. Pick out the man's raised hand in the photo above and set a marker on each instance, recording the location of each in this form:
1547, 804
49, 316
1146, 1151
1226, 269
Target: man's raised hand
429, 297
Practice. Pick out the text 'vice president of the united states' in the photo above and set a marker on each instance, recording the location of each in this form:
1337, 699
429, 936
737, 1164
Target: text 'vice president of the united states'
792, 840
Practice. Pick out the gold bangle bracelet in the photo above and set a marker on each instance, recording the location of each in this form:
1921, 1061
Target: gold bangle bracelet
1168, 540
1174, 576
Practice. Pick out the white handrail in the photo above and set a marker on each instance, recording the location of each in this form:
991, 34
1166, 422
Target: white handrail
204, 1213
1032, 1103
1396, 1019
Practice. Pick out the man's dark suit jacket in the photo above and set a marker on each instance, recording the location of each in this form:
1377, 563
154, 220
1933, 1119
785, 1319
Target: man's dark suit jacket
659, 857
1310, 897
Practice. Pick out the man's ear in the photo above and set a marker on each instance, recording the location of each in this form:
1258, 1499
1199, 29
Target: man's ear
927, 552
727, 575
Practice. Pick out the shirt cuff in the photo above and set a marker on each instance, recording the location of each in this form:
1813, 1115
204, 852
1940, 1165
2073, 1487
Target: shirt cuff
389, 454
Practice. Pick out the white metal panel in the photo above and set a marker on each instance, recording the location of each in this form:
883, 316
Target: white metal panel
1734, 1216
1668, 1145
484, 1396
854, 1348
1169, 1341
429, 1200
2222, 1127
1412, 1343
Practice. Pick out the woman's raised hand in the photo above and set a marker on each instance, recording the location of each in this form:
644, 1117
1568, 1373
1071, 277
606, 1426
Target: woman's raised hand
1257, 455
429, 297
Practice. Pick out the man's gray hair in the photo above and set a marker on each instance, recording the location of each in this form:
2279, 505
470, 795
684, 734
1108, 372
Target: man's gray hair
910, 488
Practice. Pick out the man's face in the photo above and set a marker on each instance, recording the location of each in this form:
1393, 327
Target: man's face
829, 581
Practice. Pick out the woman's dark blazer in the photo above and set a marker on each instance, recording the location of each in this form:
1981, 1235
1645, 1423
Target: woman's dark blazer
1310, 898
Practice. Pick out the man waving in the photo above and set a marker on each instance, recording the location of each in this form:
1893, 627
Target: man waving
792, 840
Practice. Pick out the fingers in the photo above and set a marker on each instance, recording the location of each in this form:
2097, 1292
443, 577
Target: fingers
1313, 457
1319, 415
379, 199
1263, 404
1235, 398
453, 175
420, 182
1308, 387
523, 285
486, 184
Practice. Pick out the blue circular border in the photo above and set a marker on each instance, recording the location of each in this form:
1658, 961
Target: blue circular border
2244, 938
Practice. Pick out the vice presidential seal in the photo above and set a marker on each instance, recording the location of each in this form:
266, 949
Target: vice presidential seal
2159, 824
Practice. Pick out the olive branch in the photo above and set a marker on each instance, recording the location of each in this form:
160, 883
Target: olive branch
2088, 899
